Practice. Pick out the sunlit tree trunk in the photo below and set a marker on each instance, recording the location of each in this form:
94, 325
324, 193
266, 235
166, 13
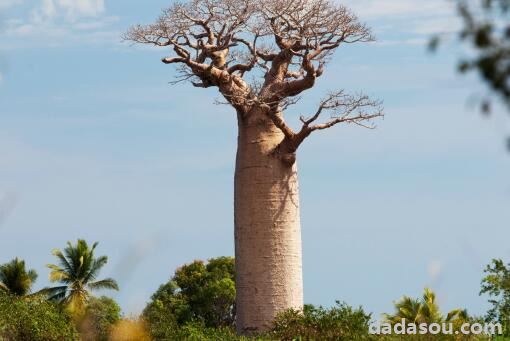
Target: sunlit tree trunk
267, 228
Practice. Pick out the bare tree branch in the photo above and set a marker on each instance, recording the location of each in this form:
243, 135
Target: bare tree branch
343, 108
220, 41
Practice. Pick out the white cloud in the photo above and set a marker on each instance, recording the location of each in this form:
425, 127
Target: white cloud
390, 8
434, 25
406, 22
47, 10
411, 41
69, 9
58, 22
83, 7
4, 4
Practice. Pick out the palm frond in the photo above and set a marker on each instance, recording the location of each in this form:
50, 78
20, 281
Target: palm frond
54, 267
58, 274
429, 310
72, 255
457, 314
58, 297
94, 269
53, 293
63, 261
107, 283
425, 310
78, 270
32, 275
15, 278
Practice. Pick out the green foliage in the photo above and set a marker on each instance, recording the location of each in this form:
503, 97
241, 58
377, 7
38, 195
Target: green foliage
198, 332
15, 279
490, 40
77, 272
101, 314
424, 310
199, 293
434, 338
159, 314
198, 303
496, 284
34, 319
341, 322
488, 36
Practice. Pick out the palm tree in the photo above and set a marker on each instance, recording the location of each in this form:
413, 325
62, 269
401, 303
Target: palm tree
425, 310
77, 272
407, 309
15, 279
429, 312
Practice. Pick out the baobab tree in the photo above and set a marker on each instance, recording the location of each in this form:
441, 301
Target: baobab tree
284, 46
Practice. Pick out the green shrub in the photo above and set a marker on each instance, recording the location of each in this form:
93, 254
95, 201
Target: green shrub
341, 322
199, 292
197, 331
100, 316
34, 319
496, 284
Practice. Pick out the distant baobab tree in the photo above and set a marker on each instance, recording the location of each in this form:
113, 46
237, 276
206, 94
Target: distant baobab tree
285, 45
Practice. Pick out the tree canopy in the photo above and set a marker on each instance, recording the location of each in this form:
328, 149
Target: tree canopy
486, 33
15, 278
101, 314
496, 284
424, 310
486, 29
77, 272
283, 45
198, 292
34, 319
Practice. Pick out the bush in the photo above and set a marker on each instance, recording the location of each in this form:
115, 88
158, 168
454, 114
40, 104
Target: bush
100, 315
34, 319
341, 322
198, 294
198, 332
496, 284
195, 331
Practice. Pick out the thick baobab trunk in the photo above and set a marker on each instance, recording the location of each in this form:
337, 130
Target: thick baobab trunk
267, 228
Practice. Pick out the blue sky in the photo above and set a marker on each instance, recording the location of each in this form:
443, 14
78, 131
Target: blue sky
95, 144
